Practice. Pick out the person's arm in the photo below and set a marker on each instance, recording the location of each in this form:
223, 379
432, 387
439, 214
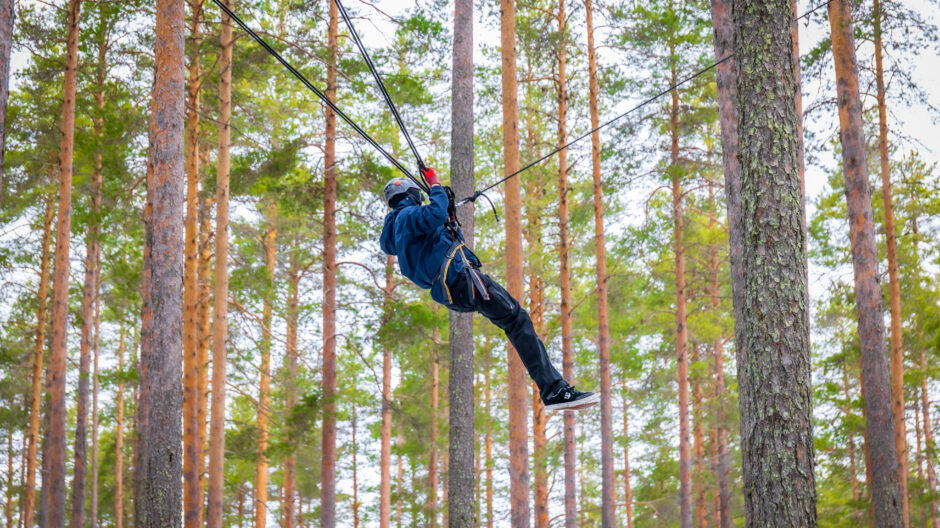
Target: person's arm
426, 218
386, 241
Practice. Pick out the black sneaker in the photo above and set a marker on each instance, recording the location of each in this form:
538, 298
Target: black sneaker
568, 398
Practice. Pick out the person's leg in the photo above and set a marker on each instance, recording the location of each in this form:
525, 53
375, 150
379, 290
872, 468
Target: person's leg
506, 313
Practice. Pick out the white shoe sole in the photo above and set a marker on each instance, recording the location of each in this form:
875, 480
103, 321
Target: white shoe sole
576, 404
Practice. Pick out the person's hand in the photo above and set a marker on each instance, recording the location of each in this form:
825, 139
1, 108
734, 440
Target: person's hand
430, 177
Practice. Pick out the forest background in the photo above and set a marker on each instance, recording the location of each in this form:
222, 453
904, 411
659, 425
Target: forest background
277, 191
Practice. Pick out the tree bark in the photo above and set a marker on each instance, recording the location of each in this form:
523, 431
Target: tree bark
93, 498
698, 438
682, 336
204, 333
880, 423
293, 314
220, 306
603, 336
385, 450
517, 380
192, 449
119, 438
769, 280
328, 454
6, 45
158, 474
53, 461
894, 288
564, 262
89, 299
264, 385
431, 505
461, 508
929, 445
722, 464
42, 296
627, 490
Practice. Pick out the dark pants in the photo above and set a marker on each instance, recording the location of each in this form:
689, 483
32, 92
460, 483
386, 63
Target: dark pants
505, 312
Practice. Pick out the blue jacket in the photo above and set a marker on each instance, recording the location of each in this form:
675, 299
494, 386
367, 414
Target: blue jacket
418, 236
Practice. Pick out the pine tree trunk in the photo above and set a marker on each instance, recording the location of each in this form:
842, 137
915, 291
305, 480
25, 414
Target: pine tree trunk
431, 505
852, 471
214, 511
797, 78
627, 490
385, 451
89, 300
264, 385
192, 507
6, 46
204, 337
328, 454
158, 473
600, 254
880, 423
698, 438
928, 442
52, 506
488, 439
722, 464
894, 288
93, 498
517, 379
461, 508
42, 295
682, 336
293, 313
119, 438
564, 262
399, 481
769, 280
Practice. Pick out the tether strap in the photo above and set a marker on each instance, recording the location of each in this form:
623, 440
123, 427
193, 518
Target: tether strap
378, 81
326, 100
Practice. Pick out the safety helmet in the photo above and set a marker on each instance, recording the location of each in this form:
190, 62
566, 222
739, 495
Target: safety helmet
398, 188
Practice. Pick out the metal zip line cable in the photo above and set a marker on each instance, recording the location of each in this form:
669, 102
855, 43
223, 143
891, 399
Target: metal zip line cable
326, 100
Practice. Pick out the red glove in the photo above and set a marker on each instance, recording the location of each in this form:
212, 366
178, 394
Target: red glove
430, 177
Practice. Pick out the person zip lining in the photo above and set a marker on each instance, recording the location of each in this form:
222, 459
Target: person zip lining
431, 253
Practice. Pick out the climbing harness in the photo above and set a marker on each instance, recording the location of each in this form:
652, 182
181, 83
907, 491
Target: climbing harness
473, 282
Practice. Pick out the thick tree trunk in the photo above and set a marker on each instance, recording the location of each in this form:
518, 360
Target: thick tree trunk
264, 385
518, 381
119, 438
214, 511
192, 449
461, 508
928, 442
158, 474
600, 254
769, 284
53, 461
564, 264
894, 288
385, 450
328, 454
682, 335
880, 423
42, 295
293, 314
6, 46
89, 300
